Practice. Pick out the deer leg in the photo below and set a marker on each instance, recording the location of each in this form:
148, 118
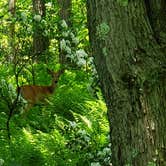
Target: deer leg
27, 108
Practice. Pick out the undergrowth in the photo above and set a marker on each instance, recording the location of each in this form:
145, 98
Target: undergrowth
70, 129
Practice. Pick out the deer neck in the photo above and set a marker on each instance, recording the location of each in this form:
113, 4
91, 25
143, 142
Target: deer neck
52, 86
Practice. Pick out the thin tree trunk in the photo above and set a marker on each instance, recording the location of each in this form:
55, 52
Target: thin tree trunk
40, 42
65, 10
12, 10
64, 14
131, 67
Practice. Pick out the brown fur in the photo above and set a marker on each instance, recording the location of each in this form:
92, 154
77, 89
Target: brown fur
35, 93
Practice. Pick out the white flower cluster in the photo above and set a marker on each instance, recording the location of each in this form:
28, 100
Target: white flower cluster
78, 56
65, 46
81, 57
74, 39
73, 124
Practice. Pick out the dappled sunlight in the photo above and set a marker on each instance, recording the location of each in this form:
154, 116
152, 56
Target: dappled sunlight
52, 112
28, 135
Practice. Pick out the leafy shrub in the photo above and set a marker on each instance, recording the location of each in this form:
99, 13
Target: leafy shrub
71, 129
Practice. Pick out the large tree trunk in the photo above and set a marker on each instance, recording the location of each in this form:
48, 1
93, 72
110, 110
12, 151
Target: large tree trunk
128, 45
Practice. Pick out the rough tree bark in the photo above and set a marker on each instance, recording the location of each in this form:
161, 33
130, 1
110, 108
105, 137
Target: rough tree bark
128, 44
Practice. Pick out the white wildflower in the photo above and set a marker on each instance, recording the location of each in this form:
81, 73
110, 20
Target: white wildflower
81, 62
95, 164
67, 42
72, 35
62, 44
87, 138
45, 33
49, 4
90, 60
68, 50
109, 145
106, 160
68, 56
65, 34
73, 124
99, 153
29, 29
71, 56
82, 132
44, 22
37, 18
106, 150
75, 40
90, 155
10, 87
64, 24
81, 53
23, 16
1, 162
70, 160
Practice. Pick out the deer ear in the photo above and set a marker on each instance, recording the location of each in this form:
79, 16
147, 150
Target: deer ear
49, 71
62, 70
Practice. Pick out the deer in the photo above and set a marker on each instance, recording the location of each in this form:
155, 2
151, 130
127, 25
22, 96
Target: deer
34, 94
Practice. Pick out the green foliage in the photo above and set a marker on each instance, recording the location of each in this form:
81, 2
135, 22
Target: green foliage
151, 164
70, 129
79, 19
7, 95
74, 86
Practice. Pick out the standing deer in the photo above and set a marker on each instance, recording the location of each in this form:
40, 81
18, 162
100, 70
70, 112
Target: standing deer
36, 93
